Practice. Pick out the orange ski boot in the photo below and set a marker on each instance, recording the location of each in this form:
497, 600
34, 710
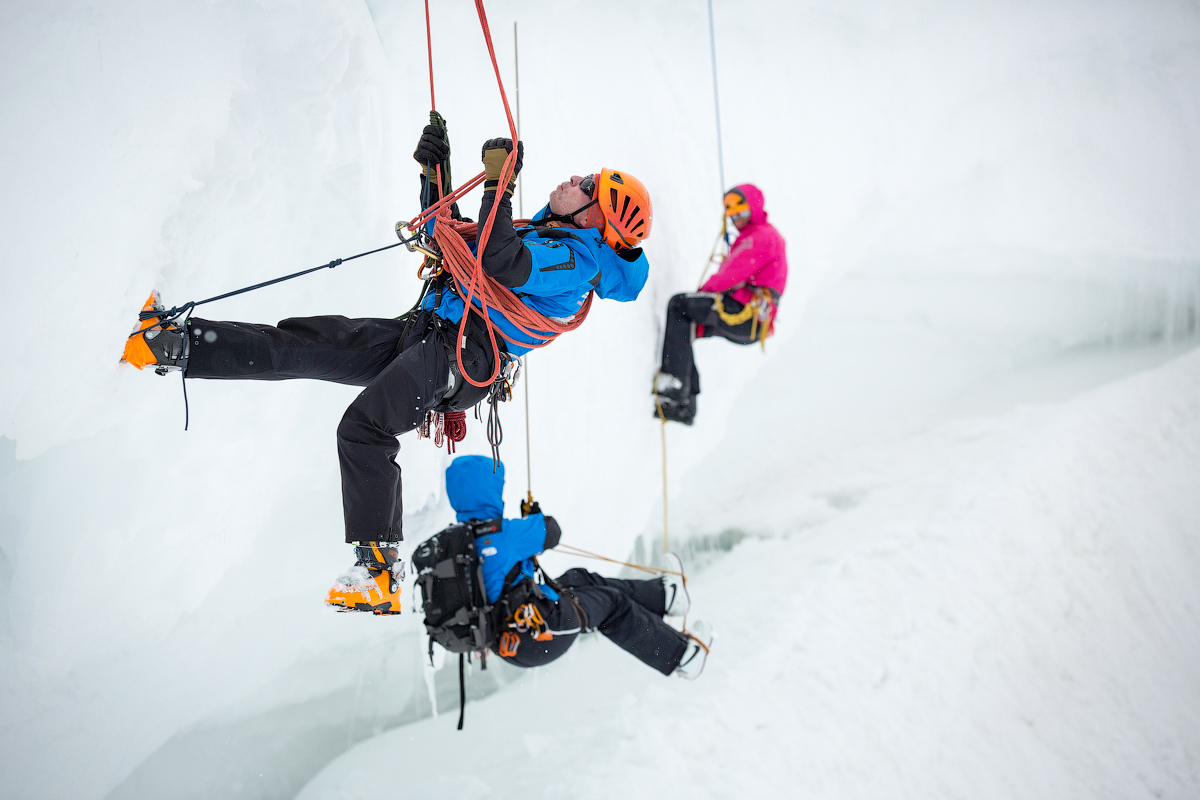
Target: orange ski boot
373, 583
163, 347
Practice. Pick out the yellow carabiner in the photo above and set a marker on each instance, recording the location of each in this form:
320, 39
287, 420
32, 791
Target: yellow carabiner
434, 267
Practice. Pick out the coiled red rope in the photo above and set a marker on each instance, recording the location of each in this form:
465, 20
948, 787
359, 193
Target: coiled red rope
456, 427
448, 428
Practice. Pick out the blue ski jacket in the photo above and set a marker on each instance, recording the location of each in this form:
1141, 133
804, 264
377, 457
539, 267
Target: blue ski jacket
476, 492
551, 269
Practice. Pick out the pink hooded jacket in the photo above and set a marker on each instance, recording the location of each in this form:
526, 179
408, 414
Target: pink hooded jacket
758, 257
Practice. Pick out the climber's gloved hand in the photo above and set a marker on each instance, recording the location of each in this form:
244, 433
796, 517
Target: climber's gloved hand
495, 152
528, 508
432, 147
553, 533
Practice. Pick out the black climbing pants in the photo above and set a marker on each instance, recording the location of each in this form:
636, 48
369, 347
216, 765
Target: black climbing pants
630, 613
404, 371
684, 313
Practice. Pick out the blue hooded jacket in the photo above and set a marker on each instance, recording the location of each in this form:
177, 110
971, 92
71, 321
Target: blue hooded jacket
567, 264
476, 492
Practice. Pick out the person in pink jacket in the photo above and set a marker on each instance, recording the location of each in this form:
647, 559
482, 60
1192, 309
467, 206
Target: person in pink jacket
737, 303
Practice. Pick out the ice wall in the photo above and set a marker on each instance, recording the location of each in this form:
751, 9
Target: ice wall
161, 590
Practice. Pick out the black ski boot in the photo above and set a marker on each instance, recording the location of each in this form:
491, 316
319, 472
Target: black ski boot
682, 410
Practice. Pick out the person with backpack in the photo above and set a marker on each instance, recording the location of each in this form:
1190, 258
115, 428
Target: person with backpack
585, 239
481, 588
737, 303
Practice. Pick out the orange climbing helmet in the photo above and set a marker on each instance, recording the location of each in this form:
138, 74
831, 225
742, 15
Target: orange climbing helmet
623, 212
736, 203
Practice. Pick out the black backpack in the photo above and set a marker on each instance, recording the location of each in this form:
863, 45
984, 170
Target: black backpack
457, 613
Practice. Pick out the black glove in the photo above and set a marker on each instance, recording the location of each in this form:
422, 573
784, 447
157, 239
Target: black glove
528, 508
432, 147
495, 152
553, 534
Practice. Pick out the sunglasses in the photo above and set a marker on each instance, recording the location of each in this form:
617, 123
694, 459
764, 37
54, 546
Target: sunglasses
588, 185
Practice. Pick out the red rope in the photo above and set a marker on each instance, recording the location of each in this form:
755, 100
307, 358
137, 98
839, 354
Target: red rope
477, 274
447, 428
432, 99
456, 256
456, 427
429, 48
487, 35
452, 237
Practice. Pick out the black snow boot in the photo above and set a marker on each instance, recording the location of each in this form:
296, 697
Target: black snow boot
682, 410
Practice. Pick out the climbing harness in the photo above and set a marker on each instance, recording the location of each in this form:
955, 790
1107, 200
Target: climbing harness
733, 319
760, 309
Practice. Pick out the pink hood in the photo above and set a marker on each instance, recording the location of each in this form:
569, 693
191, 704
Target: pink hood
758, 257
754, 199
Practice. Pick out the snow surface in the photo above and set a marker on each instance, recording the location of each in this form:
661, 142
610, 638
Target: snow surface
992, 617
987, 206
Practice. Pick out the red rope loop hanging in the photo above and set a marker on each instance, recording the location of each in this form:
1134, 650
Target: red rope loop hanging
456, 427
444, 428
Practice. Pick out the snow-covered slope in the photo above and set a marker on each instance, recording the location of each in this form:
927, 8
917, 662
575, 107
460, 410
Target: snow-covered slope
985, 205
1001, 607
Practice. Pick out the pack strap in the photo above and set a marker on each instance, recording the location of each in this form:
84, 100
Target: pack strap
462, 691
580, 614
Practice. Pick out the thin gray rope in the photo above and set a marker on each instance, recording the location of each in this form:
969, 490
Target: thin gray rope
712, 41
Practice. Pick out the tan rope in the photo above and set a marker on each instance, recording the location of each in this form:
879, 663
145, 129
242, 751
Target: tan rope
663, 432
713, 255
572, 550
746, 313
663, 436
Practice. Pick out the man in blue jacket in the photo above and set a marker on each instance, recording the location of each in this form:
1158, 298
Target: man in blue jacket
630, 613
584, 240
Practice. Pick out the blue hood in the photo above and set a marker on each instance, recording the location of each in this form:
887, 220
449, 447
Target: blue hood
475, 492
622, 279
